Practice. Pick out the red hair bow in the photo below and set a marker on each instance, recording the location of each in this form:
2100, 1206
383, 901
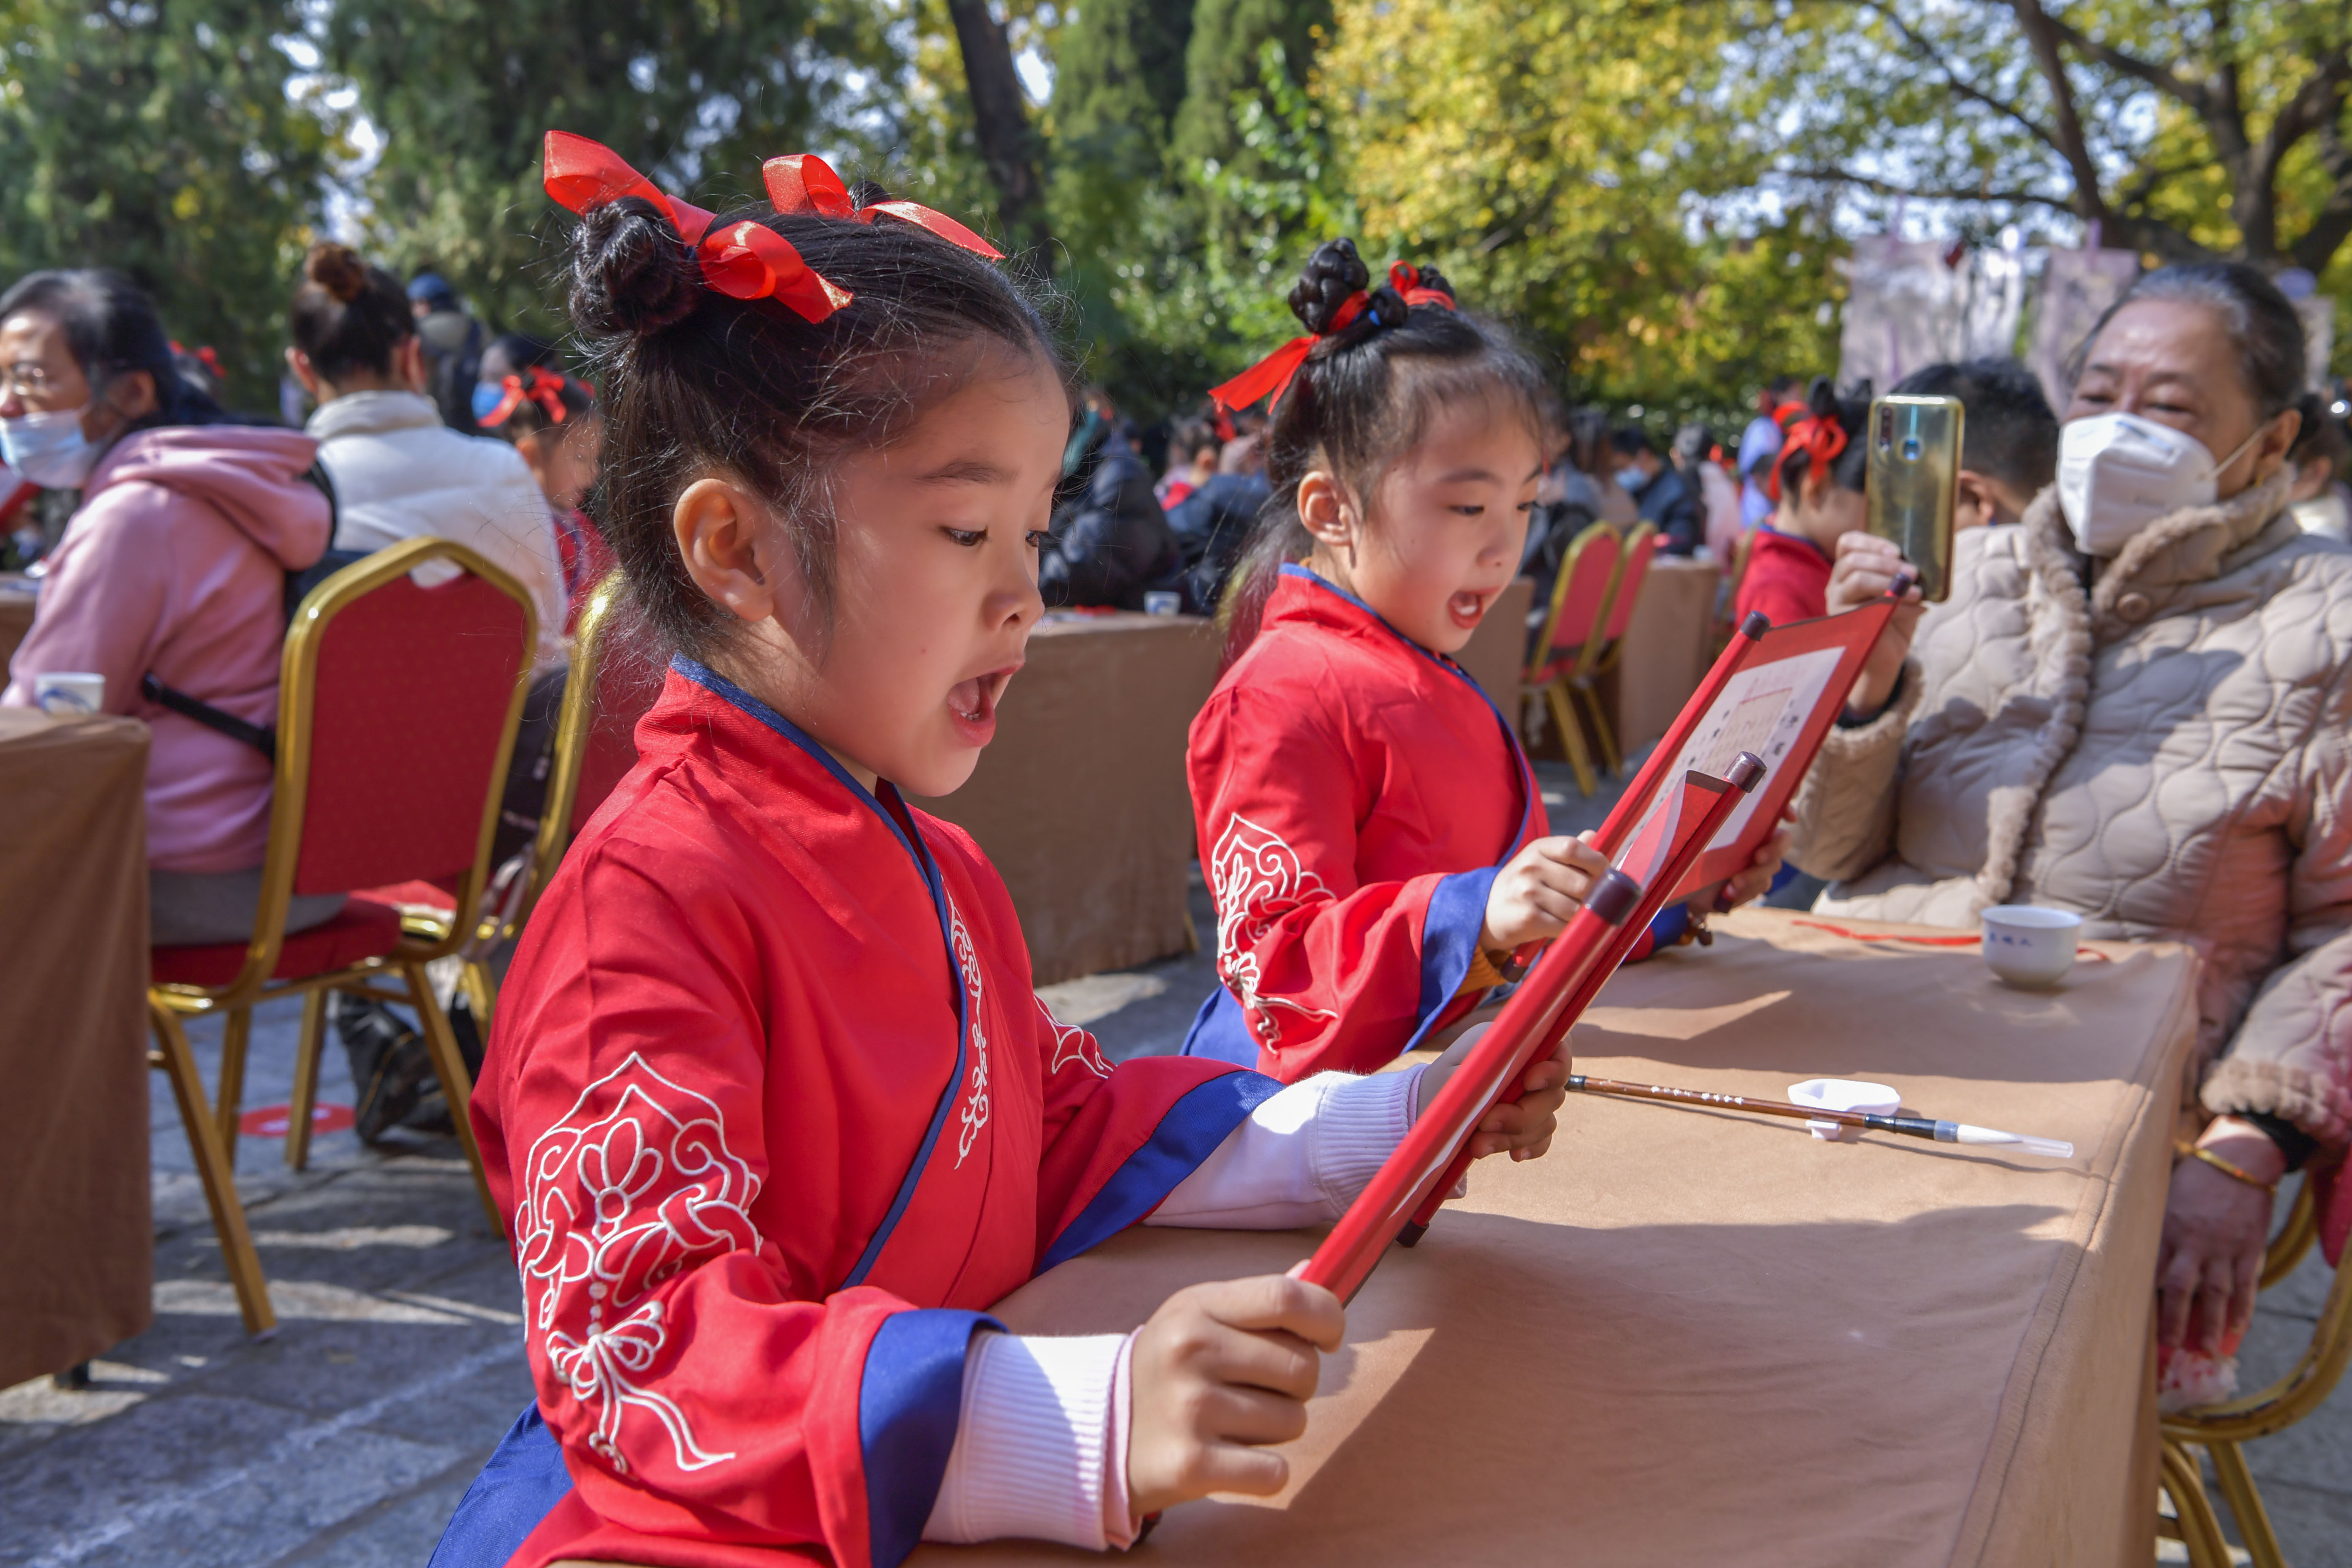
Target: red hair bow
804, 183
536, 384
743, 260
1273, 374
1405, 278
1822, 440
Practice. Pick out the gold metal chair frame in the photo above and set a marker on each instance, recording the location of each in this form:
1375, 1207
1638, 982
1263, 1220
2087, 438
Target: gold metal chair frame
569, 753
1559, 693
213, 1129
2220, 1429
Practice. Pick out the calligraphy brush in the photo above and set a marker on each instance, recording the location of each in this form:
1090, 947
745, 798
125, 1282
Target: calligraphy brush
1909, 1126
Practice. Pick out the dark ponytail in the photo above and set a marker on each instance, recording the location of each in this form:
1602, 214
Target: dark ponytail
693, 382
1363, 400
347, 315
111, 327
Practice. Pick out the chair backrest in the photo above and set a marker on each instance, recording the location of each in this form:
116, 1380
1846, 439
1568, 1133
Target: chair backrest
594, 734
1640, 546
397, 712
1579, 594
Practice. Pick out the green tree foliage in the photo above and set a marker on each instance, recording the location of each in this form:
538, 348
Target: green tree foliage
2181, 130
1571, 169
695, 95
157, 137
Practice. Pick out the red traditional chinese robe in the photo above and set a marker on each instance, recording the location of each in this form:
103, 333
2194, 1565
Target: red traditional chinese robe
1355, 794
776, 1111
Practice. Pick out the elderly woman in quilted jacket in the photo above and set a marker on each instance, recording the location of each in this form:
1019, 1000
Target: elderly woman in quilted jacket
2135, 705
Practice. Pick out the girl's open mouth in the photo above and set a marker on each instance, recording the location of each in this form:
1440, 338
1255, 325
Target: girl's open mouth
1468, 609
972, 703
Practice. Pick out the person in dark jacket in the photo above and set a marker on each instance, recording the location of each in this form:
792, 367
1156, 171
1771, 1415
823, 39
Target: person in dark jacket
1663, 496
1111, 542
1212, 524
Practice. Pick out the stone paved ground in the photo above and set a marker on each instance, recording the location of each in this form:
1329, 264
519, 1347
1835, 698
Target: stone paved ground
349, 1437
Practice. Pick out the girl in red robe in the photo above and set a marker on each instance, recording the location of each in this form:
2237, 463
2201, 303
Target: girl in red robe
1370, 827
770, 1102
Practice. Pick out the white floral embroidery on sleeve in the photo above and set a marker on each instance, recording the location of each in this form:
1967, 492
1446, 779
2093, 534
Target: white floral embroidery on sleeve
1257, 879
1072, 1043
975, 1106
619, 1200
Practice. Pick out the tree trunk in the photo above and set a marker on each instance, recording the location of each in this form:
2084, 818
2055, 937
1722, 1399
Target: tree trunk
1007, 143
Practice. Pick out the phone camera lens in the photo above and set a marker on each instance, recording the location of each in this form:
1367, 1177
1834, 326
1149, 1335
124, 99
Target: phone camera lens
1910, 449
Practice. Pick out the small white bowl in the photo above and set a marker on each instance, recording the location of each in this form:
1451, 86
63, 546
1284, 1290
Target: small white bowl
1842, 1094
2028, 945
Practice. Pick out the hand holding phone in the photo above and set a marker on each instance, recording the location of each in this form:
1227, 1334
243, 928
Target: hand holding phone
1912, 478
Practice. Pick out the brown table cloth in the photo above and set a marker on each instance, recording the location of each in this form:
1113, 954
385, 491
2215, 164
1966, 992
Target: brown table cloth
1668, 646
1705, 1337
1081, 802
17, 598
77, 1252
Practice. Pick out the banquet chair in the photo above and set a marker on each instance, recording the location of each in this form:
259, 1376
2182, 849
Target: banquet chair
592, 750
1579, 603
397, 710
1727, 598
2220, 1429
1607, 649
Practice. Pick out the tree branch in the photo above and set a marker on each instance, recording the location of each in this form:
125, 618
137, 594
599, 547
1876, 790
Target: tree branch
2043, 32
2161, 78
2331, 224
1927, 50
1836, 176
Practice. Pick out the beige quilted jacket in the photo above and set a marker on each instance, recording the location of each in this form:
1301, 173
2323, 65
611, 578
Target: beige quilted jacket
2166, 755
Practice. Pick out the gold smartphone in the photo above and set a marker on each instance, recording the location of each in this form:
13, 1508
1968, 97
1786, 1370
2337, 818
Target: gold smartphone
1914, 482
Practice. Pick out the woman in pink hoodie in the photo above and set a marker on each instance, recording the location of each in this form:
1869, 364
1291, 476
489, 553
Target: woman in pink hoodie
174, 564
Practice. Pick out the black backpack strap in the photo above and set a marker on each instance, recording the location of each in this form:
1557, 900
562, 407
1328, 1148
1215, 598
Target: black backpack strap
204, 713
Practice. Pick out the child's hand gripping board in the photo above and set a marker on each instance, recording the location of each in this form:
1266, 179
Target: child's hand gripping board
1409, 1187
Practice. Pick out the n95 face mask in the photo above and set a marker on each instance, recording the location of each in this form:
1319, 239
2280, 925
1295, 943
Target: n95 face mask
2118, 472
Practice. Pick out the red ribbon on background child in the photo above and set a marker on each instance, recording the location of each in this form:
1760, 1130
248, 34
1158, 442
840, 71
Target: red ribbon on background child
1821, 438
804, 183
542, 388
743, 260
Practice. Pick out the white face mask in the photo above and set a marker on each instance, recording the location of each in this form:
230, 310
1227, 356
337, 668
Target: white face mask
50, 449
2118, 472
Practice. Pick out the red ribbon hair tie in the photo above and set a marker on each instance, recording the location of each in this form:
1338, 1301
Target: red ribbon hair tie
539, 386
1272, 375
804, 183
743, 261
1405, 278
1822, 440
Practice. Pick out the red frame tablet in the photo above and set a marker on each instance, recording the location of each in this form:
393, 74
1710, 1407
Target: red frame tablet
1412, 1182
1774, 692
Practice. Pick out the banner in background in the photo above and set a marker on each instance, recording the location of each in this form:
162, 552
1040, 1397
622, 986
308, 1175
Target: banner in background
2077, 285
1912, 304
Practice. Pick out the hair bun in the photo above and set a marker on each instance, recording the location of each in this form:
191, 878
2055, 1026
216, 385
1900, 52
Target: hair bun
1432, 278
1333, 274
631, 273
869, 194
338, 269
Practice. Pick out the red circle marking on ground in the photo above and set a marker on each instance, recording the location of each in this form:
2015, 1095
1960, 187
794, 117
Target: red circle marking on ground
272, 1120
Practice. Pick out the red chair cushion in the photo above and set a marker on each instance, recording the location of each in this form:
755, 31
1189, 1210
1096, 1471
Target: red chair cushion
424, 895
364, 930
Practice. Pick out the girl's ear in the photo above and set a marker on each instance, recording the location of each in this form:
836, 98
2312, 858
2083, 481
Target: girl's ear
1325, 509
723, 539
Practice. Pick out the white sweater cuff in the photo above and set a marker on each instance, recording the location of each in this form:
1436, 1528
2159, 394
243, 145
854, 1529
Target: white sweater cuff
1033, 1446
1300, 1157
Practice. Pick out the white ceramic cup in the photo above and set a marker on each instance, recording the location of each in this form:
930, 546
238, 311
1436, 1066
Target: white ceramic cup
2028, 945
1160, 602
66, 693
